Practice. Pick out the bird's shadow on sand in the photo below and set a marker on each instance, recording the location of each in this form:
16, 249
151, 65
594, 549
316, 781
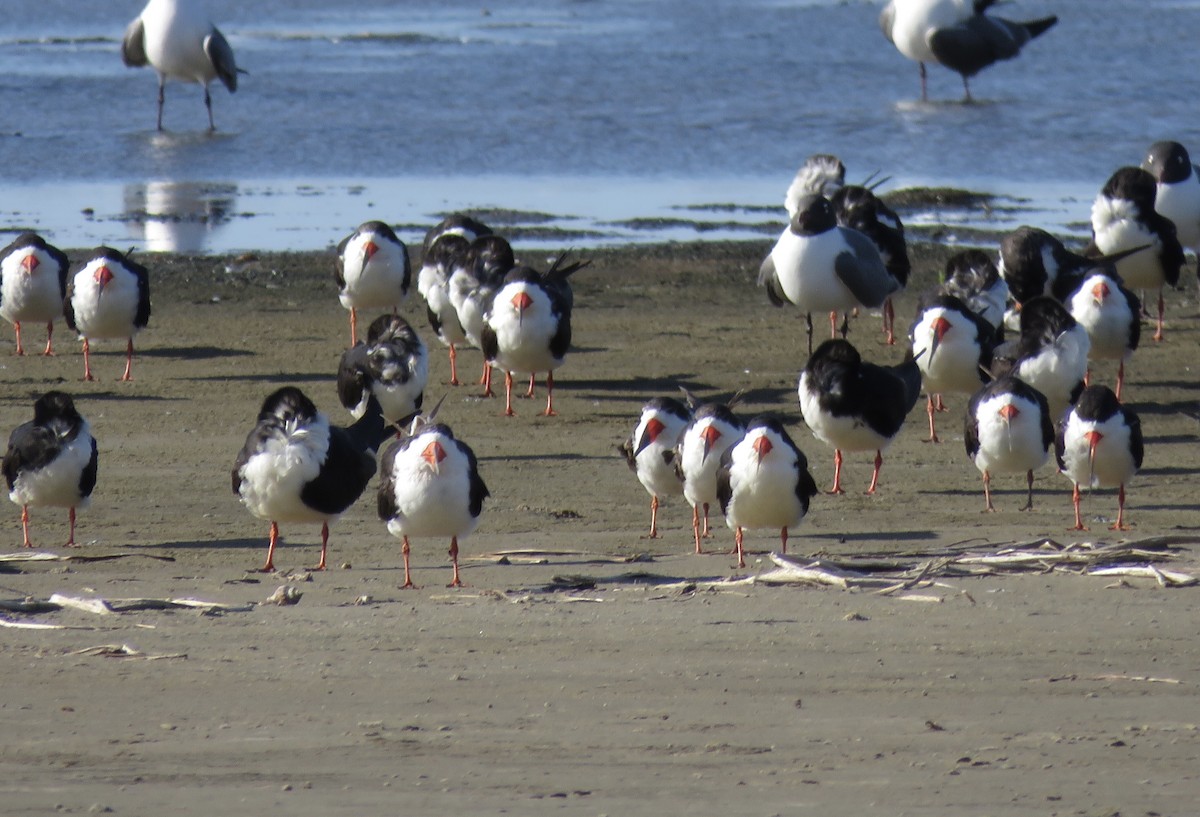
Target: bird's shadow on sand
869, 536
193, 352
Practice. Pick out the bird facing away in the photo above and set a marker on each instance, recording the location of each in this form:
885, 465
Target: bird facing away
1123, 217
764, 482
1051, 354
433, 282
1177, 192
822, 174
473, 285
177, 39
33, 285
858, 208
51, 460
1099, 445
392, 366
373, 271
430, 486
821, 267
956, 34
650, 451
854, 405
296, 467
109, 297
972, 277
1008, 430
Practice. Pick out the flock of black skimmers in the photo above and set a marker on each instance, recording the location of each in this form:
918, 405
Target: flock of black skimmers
843, 250
1018, 334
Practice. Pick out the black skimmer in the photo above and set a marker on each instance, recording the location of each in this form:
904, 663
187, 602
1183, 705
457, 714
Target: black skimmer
822, 267
527, 326
1123, 217
51, 460
1008, 430
651, 451
459, 224
430, 486
1033, 262
858, 208
373, 271
853, 405
447, 253
108, 298
33, 285
712, 431
764, 482
392, 366
822, 174
1177, 193
1112, 317
956, 34
1099, 445
297, 467
473, 284
177, 39
1051, 353
953, 349
972, 277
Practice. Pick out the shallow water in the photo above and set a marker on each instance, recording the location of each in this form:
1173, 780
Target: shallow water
617, 118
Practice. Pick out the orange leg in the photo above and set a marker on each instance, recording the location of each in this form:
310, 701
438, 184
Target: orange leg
931, 410
1120, 377
453, 366
532, 381
1029, 498
696, 527
20, 347
1075, 497
1120, 523
1158, 332
707, 530
833, 325
875, 473
485, 380
87, 360
889, 321
549, 412
353, 327
71, 522
737, 540
783, 541
456, 581
404, 550
987, 493
653, 518
269, 567
49, 351
837, 472
508, 409
25, 525
128, 362
324, 547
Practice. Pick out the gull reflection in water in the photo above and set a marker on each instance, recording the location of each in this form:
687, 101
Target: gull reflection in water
177, 216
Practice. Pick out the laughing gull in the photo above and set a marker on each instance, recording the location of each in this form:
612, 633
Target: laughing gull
956, 34
176, 38
1178, 192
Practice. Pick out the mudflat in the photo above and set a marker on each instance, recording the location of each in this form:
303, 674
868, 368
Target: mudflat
584, 669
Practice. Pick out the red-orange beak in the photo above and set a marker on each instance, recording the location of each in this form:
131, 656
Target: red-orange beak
1093, 438
434, 454
29, 263
1008, 411
649, 434
1100, 292
369, 249
521, 301
762, 447
103, 275
710, 435
940, 327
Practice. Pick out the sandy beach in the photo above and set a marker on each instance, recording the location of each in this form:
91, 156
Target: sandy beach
584, 669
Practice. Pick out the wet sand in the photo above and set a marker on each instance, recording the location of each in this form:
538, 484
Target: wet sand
1037, 694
